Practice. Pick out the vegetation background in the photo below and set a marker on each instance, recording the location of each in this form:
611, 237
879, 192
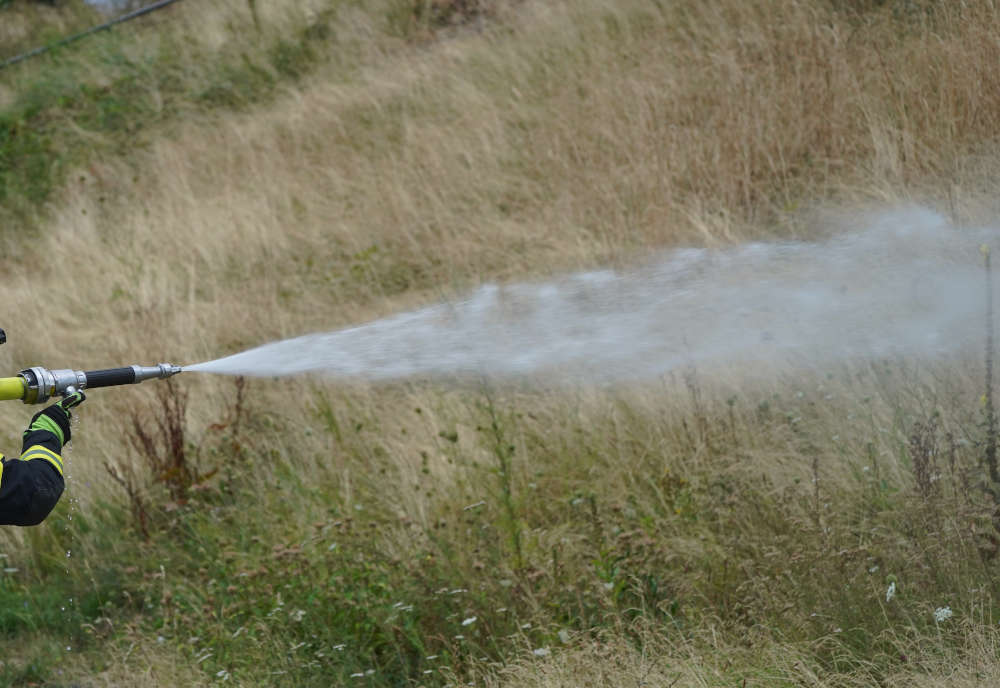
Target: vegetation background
222, 174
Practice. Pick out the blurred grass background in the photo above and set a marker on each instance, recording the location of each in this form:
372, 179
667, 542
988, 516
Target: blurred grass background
222, 174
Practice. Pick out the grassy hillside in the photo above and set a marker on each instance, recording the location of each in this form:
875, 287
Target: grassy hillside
224, 174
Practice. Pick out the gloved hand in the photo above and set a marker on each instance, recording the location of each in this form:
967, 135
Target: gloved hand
55, 418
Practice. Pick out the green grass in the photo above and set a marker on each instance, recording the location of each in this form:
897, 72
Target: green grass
296, 579
43, 24
61, 117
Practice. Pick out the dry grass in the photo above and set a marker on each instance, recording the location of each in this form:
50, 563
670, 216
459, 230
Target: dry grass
571, 135
562, 135
659, 662
27, 25
510, 153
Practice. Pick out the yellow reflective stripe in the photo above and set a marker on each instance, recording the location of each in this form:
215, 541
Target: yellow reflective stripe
39, 449
39, 452
52, 460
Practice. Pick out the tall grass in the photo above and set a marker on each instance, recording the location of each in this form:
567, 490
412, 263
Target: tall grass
697, 530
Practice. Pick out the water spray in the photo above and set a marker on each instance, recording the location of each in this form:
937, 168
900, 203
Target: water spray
900, 283
903, 283
37, 385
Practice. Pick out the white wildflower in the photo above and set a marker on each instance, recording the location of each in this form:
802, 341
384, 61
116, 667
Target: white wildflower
891, 592
467, 622
942, 614
540, 652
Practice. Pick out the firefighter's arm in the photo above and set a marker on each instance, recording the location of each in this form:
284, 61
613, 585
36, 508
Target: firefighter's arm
30, 486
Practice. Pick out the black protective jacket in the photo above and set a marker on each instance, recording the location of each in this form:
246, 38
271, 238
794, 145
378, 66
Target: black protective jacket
31, 485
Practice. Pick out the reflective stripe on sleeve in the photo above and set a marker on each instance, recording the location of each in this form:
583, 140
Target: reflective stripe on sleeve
39, 452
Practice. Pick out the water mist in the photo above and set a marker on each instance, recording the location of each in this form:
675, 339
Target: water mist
905, 283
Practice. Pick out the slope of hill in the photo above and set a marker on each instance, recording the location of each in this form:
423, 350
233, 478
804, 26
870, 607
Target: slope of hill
224, 174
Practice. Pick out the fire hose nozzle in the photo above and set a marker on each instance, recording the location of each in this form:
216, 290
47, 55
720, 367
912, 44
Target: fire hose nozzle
161, 372
36, 385
40, 384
